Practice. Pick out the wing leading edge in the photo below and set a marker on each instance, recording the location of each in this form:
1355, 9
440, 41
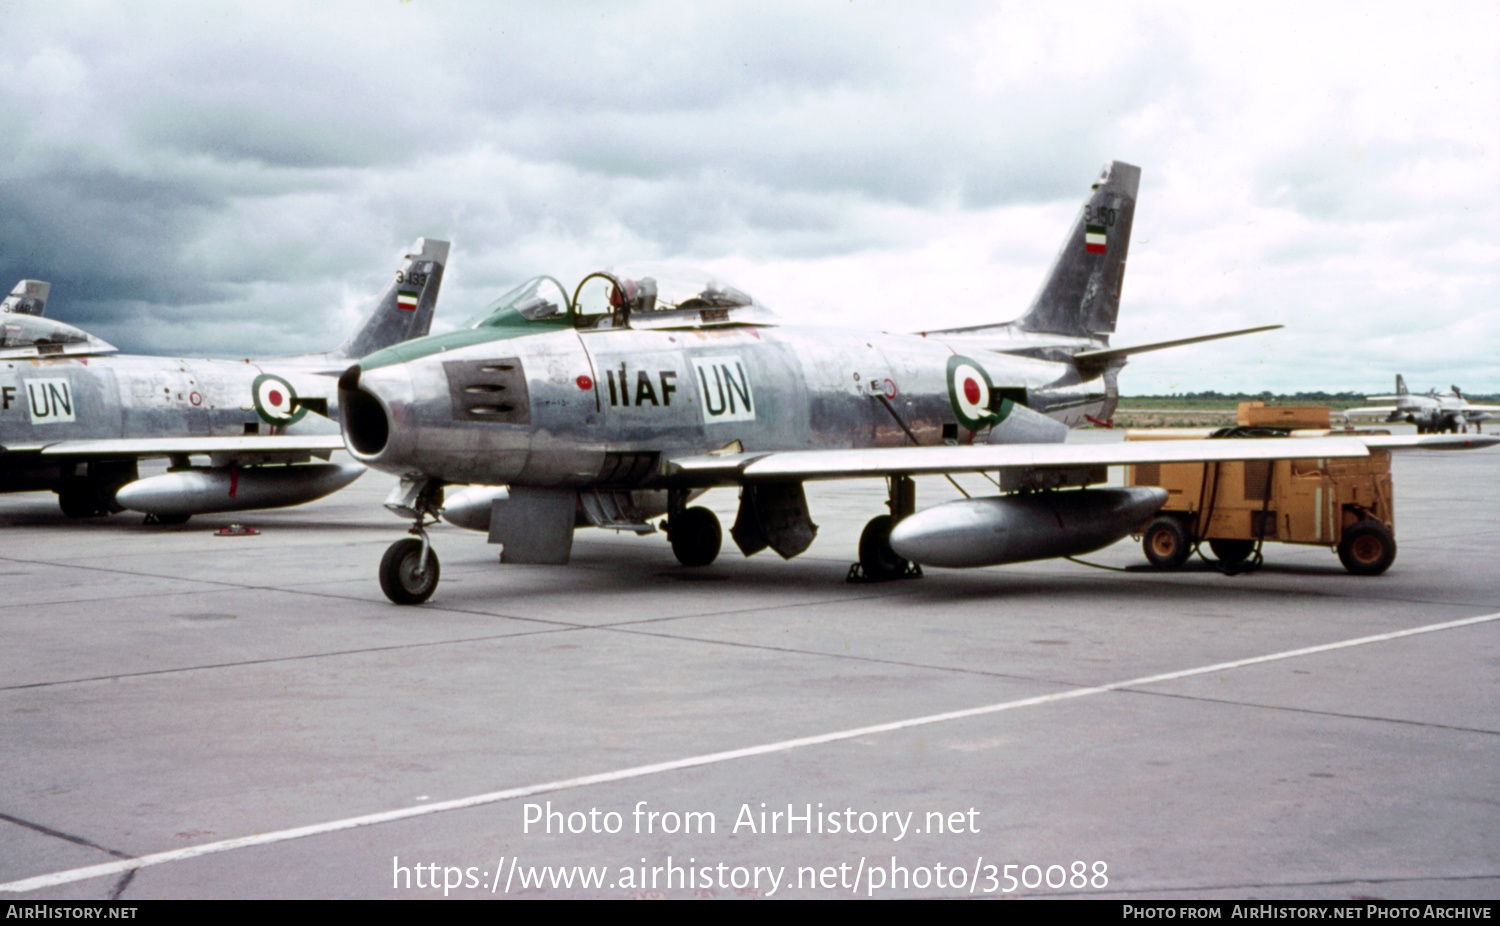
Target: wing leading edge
912, 461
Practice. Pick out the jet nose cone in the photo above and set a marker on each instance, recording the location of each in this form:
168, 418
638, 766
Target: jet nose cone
372, 412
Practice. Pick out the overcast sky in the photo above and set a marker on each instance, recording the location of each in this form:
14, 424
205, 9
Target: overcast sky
241, 179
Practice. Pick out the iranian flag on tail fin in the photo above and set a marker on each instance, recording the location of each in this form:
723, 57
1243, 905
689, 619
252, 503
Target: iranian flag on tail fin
1093, 239
406, 299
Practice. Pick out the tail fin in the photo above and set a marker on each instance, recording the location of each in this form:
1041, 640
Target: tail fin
28, 298
405, 308
1081, 295
1400, 385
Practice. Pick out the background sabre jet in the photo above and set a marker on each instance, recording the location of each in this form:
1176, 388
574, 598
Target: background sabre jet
1431, 413
619, 399
28, 298
76, 416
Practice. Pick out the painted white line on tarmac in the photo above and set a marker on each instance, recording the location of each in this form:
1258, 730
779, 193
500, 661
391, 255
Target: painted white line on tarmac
712, 758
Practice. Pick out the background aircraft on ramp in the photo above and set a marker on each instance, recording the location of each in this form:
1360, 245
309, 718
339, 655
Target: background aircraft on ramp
76, 416
646, 385
1431, 413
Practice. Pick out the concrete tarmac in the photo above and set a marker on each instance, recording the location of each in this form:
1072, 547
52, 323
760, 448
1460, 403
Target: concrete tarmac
1039, 730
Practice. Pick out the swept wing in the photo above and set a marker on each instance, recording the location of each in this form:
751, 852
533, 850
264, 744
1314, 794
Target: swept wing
856, 463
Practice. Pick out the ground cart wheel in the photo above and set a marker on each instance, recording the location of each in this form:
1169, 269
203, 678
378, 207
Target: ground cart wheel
1231, 552
696, 536
876, 557
1368, 548
399, 576
1166, 542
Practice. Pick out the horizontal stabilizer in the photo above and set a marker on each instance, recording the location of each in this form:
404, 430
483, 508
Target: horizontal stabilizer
1114, 353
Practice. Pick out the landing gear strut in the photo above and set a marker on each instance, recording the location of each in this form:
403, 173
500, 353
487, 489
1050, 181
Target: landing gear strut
877, 561
409, 570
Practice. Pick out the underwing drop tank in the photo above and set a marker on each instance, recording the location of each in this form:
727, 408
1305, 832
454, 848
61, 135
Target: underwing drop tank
1024, 526
204, 491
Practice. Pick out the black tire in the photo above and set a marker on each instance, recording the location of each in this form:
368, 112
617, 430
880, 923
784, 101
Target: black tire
876, 557
1368, 548
696, 536
1166, 542
398, 572
77, 499
157, 517
1231, 552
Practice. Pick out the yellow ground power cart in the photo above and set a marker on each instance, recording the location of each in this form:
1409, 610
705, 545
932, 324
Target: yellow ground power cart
1344, 504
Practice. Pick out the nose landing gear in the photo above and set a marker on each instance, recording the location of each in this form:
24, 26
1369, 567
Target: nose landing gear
409, 570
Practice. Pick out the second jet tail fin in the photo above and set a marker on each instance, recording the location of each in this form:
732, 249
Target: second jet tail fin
1081, 295
28, 298
405, 309
1400, 385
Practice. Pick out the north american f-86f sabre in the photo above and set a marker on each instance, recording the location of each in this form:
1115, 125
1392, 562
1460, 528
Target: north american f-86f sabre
619, 400
76, 416
1432, 413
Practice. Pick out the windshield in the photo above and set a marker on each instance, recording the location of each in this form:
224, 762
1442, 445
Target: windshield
29, 335
538, 299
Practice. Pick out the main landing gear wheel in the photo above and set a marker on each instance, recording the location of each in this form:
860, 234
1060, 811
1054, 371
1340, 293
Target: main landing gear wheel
1368, 548
402, 577
78, 499
157, 517
876, 558
696, 536
1166, 543
1231, 552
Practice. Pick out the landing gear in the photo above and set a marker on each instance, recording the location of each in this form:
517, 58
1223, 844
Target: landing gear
877, 561
78, 499
406, 575
695, 535
155, 517
93, 493
1368, 548
1166, 542
409, 570
876, 558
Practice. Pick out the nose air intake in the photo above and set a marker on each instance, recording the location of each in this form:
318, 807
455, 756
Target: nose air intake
365, 424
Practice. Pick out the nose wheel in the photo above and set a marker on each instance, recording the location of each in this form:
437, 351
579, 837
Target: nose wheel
409, 570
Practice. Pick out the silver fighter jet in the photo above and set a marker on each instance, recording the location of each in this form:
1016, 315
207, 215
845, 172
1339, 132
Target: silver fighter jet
76, 416
1432, 413
620, 399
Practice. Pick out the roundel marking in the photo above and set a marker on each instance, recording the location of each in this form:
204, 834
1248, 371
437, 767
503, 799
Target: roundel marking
276, 400
889, 388
969, 389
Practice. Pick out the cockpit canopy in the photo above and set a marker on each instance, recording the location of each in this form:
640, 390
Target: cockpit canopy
631, 296
36, 336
